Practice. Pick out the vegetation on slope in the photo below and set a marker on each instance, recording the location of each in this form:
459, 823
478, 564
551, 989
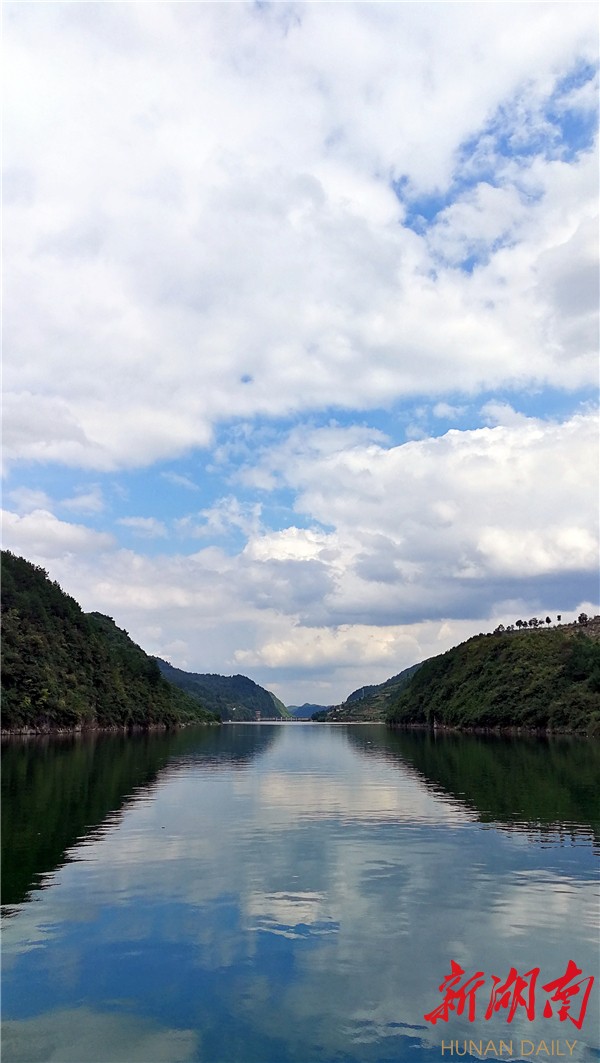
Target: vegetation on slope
64, 669
370, 703
541, 679
307, 710
548, 783
232, 697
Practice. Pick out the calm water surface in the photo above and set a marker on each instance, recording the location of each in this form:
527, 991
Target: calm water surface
292, 894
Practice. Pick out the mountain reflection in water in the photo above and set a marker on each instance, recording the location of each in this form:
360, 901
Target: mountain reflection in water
547, 784
287, 893
56, 790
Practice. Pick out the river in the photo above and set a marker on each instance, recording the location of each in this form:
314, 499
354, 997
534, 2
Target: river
298, 894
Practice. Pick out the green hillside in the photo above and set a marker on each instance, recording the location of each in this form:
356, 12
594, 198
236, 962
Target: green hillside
232, 697
306, 711
369, 703
63, 669
539, 680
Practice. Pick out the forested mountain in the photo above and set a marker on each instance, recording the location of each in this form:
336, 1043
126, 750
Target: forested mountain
232, 697
306, 711
368, 703
63, 669
538, 679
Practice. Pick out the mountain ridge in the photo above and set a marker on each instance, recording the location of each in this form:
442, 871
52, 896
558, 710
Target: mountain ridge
368, 703
233, 697
66, 670
307, 710
544, 680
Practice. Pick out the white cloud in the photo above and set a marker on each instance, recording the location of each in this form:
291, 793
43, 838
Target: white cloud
178, 480
90, 501
83, 501
44, 428
477, 221
146, 527
41, 536
27, 499
291, 544
525, 552
227, 514
568, 280
426, 544
448, 411
434, 526
201, 223
70, 1033
210, 217
322, 649
496, 413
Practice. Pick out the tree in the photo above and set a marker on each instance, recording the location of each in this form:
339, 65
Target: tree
533, 622
519, 624
558, 618
548, 620
582, 618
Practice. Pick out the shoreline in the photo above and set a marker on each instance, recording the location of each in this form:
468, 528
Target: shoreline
514, 730
86, 732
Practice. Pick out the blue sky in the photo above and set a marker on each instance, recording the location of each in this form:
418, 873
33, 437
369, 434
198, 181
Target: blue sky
301, 367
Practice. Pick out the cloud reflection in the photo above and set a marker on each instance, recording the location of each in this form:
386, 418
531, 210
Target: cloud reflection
304, 910
291, 915
81, 1035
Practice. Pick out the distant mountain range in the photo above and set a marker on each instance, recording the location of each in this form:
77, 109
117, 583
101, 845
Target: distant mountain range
535, 679
306, 711
231, 697
543, 679
368, 703
64, 670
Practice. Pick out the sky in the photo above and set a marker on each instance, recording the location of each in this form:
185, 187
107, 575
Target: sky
300, 325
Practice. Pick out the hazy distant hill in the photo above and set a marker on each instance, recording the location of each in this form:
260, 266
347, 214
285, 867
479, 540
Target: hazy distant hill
306, 711
63, 669
232, 697
537, 679
369, 702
